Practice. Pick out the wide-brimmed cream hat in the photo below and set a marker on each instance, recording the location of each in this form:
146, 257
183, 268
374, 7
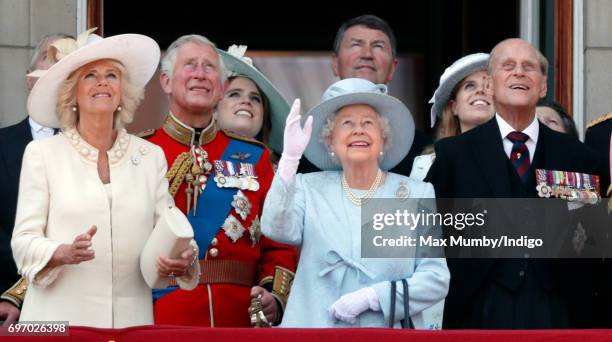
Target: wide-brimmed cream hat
360, 91
139, 55
237, 64
459, 70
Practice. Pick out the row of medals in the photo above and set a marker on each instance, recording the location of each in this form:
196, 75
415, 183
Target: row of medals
549, 186
242, 183
569, 193
200, 171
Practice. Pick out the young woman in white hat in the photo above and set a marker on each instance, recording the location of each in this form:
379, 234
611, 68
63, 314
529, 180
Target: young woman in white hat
460, 102
360, 133
90, 196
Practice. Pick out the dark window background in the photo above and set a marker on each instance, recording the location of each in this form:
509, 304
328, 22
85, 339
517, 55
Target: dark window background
439, 30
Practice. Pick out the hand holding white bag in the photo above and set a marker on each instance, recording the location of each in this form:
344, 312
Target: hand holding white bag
171, 236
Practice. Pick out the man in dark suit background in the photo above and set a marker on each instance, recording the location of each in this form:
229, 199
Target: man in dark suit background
365, 47
486, 163
13, 141
597, 137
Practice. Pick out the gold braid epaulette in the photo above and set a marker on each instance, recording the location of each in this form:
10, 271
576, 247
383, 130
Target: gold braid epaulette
599, 120
177, 172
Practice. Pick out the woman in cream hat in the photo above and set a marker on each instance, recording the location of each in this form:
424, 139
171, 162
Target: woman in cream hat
360, 133
460, 102
90, 196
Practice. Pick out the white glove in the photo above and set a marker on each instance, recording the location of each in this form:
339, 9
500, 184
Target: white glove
295, 141
351, 305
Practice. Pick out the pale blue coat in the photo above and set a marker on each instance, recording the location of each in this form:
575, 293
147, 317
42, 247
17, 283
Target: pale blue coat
315, 213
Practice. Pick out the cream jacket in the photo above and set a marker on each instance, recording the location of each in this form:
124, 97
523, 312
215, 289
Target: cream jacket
60, 197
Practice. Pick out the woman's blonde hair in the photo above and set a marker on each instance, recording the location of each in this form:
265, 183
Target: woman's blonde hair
449, 123
131, 95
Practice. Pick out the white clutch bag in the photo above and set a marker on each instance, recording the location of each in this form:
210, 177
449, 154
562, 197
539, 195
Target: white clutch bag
170, 237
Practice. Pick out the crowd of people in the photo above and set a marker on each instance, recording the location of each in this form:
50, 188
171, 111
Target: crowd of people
273, 195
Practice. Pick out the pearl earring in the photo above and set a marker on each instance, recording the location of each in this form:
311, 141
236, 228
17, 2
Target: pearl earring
332, 154
119, 108
74, 108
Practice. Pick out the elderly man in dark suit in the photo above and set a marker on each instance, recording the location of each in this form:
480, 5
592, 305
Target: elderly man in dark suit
498, 160
13, 141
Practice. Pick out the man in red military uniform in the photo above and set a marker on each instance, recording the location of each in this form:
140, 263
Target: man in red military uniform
220, 181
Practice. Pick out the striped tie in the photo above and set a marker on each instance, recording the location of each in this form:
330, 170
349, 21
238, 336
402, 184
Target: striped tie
520, 154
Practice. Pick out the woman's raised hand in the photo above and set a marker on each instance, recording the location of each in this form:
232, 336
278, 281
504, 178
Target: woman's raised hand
295, 141
296, 138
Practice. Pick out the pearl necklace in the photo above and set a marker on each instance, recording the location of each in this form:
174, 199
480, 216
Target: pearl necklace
360, 200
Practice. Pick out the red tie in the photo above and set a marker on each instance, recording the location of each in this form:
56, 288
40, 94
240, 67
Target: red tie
520, 154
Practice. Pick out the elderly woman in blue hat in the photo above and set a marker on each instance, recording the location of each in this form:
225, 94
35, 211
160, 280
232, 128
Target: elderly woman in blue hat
460, 102
90, 197
252, 107
361, 133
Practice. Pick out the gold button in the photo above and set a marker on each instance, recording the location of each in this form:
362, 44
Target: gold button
214, 242
214, 252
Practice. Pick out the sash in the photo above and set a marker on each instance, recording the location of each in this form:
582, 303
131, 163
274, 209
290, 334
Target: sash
215, 203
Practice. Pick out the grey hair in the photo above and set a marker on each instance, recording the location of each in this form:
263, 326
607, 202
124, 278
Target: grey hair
44, 40
168, 61
330, 123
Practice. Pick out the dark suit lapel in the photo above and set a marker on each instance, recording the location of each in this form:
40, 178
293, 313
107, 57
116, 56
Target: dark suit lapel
541, 157
490, 156
23, 132
547, 155
16, 141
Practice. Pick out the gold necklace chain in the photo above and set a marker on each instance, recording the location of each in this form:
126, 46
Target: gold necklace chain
356, 200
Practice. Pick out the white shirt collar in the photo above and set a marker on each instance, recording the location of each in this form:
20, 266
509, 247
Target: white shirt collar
533, 130
38, 127
39, 131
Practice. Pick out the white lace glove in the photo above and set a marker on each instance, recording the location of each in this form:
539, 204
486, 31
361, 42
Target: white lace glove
351, 305
295, 141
